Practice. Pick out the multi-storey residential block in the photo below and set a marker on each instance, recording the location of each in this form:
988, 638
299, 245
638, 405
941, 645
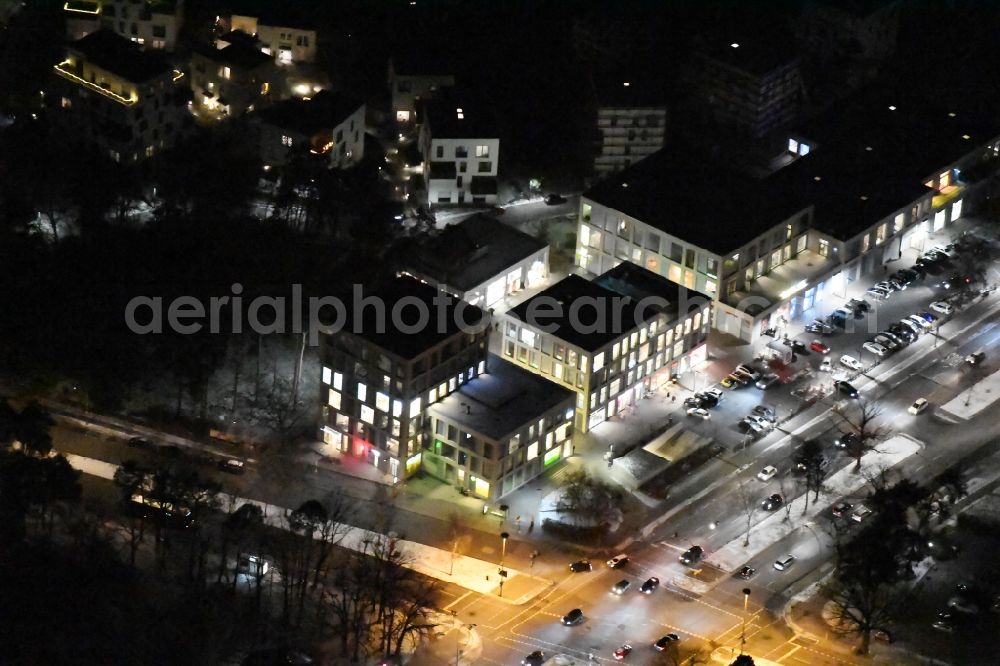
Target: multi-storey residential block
611, 340
751, 85
856, 192
499, 430
381, 372
461, 153
233, 80
416, 77
330, 124
480, 260
129, 103
151, 23
287, 38
631, 122
862, 29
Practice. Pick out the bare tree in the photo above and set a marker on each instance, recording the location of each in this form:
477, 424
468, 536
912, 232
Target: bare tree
863, 424
455, 533
748, 505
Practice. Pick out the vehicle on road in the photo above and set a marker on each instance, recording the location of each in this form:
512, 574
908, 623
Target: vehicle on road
536, 658
861, 513
621, 586
846, 441
767, 381
767, 473
232, 466
664, 641
919, 405
764, 411
575, 616
963, 604
841, 509
846, 388
554, 200
772, 503
819, 327
760, 421
617, 561
975, 358
139, 443
581, 566
692, 555
819, 347
783, 563
700, 412
942, 307
851, 363
746, 572
650, 585
875, 348
623, 651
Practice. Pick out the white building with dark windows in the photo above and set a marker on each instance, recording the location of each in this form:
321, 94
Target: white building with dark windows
480, 260
233, 80
633, 331
330, 124
631, 125
461, 153
414, 78
129, 103
285, 36
153, 24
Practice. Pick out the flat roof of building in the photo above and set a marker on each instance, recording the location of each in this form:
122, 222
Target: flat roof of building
238, 54
501, 402
324, 111
120, 56
716, 207
625, 92
452, 116
753, 49
598, 322
394, 336
467, 254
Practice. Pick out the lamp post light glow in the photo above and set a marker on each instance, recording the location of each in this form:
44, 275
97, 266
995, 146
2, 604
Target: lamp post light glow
503, 553
743, 631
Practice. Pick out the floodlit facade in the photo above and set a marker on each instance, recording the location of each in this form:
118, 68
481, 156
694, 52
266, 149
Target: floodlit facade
610, 363
129, 103
153, 24
461, 153
330, 124
499, 431
233, 80
631, 126
287, 40
377, 386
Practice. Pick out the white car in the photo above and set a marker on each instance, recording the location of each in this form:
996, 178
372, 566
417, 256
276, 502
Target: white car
920, 321
874, 348
699, 412
861, 513
826, 365
784, 562
851, 362
919, 405
767, 473
942, 307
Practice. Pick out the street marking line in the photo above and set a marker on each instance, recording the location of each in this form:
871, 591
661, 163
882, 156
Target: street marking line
789, 653
457, 600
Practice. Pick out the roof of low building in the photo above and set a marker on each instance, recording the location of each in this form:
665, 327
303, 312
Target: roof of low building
451, 115
467, 254
238, 54
121, 56
610, 306
626, 92
393, 334
324, 111
757, 51
502, 401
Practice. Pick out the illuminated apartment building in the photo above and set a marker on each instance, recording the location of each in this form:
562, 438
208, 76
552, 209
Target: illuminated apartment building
286, 38
150, 23
233, 80
330, 124
127, 102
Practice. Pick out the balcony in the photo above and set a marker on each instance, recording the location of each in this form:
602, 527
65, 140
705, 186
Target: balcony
66, 70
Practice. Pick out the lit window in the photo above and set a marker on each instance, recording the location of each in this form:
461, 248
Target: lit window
532, 451
362, 392
598, 361
482, 367
265, 88
793, 146
880, 234
367, 414
382, 401
414, 408
286, 140
866, 242
432, 396
482, 151
334, 399
528, 337
397, 408
327, 375
697, 320
226, 72
710, 286
897, 224
150, 150
338, 381
824, 247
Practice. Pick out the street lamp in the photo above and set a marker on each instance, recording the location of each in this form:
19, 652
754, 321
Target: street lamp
503, 553
743, 632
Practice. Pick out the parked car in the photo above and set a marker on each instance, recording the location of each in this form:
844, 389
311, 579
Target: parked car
621, 586
746, 572
232, 466
820, 327
554, 200
819, 347
650, 585
746, 425
846, 388
730, 381
617, 561
861, 513
975, 358
826, 365
536, 658
765, 412
914, 328
875, 348
904, 332
580, 566
942, 307
767, 473
746, 369
886, 342
919, 321
900, 341
700, 412
860, 304
622, 651
575, 616
919, 405
846, 441
710, 398
785, 562
772, 503
841, 509
928, 317
664, 641
767, 381
878, 293
692, 555
851, 363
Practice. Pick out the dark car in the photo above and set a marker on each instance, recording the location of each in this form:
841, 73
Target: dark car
621, 586
580, 566
575, 616
232, 466
536, 658
767, 381
746, 573
692, 555
139, 443
904, 332
650, 585
772, 503
708, 400
846, 388
898, 340
841, 509
664, 641
693, 401
554, 200
846, 441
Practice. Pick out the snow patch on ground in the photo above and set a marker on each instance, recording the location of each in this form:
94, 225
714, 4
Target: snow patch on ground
974, 399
